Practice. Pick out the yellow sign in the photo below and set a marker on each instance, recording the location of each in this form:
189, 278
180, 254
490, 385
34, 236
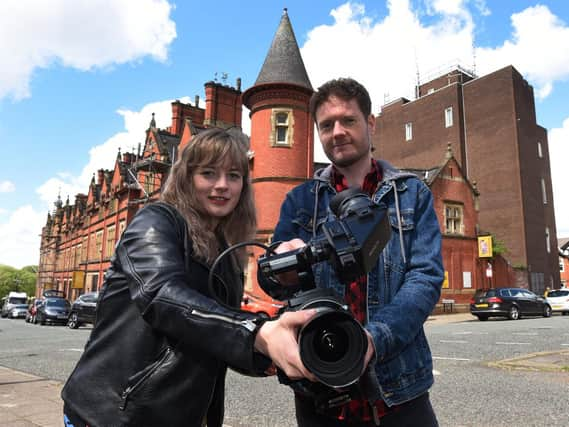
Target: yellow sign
78, 280
445, 282
485, 246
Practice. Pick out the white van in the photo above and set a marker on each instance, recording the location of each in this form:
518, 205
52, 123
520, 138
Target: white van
13, 300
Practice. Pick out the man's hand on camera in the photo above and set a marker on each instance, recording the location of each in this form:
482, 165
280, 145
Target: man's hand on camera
370, 351
290, 277
277, 339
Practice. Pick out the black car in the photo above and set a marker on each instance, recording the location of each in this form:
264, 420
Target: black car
512, 303
53, 310
83, 310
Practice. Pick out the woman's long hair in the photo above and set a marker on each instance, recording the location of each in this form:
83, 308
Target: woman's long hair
211, 148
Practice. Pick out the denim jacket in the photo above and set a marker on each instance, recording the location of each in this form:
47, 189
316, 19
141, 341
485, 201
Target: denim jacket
403, 287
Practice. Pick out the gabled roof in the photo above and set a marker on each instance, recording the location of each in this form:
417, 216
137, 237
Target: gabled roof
429, 175
283, 63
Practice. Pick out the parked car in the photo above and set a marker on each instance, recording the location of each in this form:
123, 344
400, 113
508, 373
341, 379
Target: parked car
17, 311
512, 303
13, 299
32, 309
265, 306
53, 310
558, 299
83, 310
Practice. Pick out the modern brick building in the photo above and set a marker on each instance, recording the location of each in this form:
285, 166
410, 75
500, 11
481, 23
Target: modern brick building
79, 239
490, 123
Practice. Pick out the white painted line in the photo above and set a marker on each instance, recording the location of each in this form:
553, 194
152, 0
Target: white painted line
525, 333
459, 359
565, 344
435, 372
463, 333
512, 343
72, 349
454, 341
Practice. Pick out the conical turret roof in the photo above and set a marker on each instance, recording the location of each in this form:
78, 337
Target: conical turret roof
283, 63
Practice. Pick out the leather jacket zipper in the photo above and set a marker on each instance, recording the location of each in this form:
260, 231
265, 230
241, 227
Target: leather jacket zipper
248, 324
131, 388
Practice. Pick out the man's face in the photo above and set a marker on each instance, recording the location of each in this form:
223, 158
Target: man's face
344, 131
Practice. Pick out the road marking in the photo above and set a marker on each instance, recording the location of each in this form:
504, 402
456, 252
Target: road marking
524, 333
435, 372
454, 341
565, 344
459, 359
512, 343
72, 349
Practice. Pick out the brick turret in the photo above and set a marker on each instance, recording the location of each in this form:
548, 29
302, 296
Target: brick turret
282, 136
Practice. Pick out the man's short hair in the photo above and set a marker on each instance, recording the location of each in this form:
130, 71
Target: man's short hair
344, 88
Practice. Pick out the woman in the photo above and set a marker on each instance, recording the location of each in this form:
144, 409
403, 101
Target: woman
158, 353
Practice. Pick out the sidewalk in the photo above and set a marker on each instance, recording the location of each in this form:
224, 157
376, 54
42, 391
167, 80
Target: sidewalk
29, 401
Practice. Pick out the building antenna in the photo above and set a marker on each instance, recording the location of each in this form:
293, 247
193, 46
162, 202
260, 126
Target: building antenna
473, 59
417, 74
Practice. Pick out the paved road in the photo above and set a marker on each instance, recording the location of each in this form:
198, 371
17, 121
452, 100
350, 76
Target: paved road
467, 391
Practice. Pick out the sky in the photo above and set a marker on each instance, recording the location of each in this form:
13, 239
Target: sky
80, 79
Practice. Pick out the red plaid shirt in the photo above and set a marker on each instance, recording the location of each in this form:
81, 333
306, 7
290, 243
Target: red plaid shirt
356, 298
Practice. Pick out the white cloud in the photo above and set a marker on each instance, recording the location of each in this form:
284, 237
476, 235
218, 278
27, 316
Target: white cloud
7, 187
558, 154
384, 55
19, 237
83, 35
535, 49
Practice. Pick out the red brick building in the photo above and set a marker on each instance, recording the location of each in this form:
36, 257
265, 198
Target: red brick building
490, 123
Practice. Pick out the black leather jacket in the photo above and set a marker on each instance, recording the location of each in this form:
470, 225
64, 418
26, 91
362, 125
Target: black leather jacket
158, 353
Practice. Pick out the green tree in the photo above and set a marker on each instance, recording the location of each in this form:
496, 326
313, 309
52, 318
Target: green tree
22, 280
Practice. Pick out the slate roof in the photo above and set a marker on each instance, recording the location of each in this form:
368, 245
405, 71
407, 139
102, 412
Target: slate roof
283, 63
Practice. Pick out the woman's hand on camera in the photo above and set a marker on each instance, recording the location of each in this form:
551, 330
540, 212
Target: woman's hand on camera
277, 339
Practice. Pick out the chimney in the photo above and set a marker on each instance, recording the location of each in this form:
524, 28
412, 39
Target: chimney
176, 117
100, 176
223, 106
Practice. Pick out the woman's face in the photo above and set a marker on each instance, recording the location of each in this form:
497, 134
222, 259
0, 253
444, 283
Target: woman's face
218, 188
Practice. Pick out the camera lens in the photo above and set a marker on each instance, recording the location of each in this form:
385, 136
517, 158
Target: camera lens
333, 347
331, 344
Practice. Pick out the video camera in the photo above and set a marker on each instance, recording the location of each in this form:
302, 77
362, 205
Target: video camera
332, 344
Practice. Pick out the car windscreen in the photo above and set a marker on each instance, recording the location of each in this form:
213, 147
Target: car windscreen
17, 300
559, 293
57, 302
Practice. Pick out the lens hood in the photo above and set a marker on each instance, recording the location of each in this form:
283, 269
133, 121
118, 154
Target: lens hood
332, 344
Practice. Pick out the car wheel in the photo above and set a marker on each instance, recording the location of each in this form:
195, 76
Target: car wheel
73, 322
482, 318
547, 311
514, 313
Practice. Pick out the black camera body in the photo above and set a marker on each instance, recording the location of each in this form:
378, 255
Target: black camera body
333, 343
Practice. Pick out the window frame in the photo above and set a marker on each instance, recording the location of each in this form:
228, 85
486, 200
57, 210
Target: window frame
277, 125
457, 221
409, 131
449, 121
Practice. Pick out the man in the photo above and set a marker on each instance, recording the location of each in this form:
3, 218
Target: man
394, 300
